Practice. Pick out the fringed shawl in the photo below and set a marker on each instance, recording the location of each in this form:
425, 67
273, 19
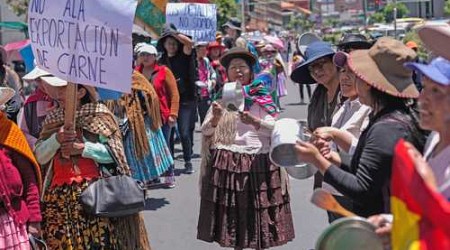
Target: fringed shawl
96, 119
13, 138
142, 101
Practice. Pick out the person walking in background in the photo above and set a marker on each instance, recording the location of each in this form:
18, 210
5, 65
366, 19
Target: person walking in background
177, 55
244, 197
233, 34
207, 79
297, 59
215, 51
165, 85
20, 182
417, 74
147, 152
9, 78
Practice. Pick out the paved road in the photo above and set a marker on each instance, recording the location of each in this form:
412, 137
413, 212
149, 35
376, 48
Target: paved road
171, 215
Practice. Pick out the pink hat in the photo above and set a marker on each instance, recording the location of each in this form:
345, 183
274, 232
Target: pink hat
437, 39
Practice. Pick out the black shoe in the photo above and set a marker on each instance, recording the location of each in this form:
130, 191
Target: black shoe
195, 156
188, 169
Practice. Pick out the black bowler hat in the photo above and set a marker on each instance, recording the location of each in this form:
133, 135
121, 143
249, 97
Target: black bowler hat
237, 52
354, 41
233, 23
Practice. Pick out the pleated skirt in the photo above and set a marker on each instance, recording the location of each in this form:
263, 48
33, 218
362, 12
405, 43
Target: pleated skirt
156, 162
242, 204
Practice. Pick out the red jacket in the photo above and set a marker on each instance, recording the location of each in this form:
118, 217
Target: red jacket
19, 191
163, 80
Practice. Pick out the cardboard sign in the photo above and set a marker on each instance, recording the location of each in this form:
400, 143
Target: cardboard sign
194, 19
84, 41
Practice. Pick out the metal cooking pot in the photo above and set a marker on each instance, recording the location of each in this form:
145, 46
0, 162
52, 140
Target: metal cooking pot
285, 135
351, 233
232, 95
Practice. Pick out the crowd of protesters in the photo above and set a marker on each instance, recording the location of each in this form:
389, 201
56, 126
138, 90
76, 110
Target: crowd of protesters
366, 99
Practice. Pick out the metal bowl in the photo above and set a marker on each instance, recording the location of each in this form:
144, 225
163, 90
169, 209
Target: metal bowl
303, 171
351, 233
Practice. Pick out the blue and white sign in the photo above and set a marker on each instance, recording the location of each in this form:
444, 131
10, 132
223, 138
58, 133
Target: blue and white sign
195, 19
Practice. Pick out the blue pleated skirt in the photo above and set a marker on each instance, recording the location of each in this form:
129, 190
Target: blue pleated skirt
156, 162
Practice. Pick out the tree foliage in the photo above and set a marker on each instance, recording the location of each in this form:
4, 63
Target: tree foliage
225, 10
299, 23
19, 7
388, 11
447, 8
377, 17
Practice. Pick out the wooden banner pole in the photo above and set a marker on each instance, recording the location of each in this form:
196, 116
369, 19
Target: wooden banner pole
70, 109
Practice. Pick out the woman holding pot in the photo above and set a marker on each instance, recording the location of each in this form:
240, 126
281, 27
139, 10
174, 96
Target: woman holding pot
352, 117
387, 87
244, 199
318, 68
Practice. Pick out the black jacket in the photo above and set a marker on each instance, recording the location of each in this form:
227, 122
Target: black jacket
367, 180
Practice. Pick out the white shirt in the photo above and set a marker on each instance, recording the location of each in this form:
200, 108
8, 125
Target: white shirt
352, 117
440, 163
247, 139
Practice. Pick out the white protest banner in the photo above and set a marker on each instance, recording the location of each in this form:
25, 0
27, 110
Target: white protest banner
84, 41
195, 19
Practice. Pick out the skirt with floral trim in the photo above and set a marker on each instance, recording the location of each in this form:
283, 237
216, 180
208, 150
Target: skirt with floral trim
66, 226
242, 204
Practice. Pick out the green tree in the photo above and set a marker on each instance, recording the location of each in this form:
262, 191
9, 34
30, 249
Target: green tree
19, 7
377, 17
388, 11
225, 10
447, 8
332, 22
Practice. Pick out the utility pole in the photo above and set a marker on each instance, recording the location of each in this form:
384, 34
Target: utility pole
395, 19
365, 13
243, 15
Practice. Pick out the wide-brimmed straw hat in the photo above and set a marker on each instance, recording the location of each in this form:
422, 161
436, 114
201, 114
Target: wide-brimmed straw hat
6, 94
354, 41
314, 51
237, 52
437, 39
382, 67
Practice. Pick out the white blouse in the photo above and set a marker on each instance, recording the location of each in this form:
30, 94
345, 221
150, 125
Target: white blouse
247, 139
352, 117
